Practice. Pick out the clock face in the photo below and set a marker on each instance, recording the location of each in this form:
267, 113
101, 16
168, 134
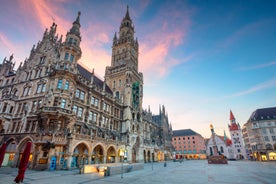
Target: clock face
136, 94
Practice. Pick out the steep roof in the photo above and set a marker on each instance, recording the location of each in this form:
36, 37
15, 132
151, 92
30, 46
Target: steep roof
231, 116
98, 82
228, 141
184, 132
263, 114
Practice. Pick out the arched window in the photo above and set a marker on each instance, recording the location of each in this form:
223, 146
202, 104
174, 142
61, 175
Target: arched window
211, 150
221, 150
117, 94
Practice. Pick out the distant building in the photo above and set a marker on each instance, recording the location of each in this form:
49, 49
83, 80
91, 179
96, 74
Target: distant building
188, 144
259, 134
219, 145
236, 138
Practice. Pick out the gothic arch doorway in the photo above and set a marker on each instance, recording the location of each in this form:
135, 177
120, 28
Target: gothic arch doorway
148, 156
80, 156
97, 155
21, 148
145, 156
111, 155
133, 155
9, 158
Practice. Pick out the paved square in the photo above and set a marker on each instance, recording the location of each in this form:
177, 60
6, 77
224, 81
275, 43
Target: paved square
190, 172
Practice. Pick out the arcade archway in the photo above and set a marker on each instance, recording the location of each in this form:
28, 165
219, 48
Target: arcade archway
80, 156
111, 155
97, 155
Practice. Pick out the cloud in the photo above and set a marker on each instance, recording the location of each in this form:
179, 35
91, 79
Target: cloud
263, 65
259, 87
46, 12
6, 43
165, 32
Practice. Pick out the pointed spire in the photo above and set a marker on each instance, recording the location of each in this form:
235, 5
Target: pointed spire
104, 84
92, 76
127, 14
225, 138
115, 38
76, 26
77, 21
231, 116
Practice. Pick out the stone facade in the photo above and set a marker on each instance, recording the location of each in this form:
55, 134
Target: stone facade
259, 134
71, 116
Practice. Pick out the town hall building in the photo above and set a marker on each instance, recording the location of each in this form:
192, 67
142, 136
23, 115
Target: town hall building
70, 115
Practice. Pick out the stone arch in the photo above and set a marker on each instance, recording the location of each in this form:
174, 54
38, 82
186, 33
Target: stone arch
111, 155
133, 155
20, 148
80, 155
11, 151
145, 156
148, 156
98, 154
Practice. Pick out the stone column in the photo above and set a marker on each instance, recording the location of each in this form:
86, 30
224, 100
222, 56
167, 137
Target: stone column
69, 160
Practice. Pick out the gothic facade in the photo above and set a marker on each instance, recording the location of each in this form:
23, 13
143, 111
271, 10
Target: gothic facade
71, 116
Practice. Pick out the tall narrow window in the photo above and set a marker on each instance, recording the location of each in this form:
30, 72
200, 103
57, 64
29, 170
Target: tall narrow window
66, 87
82, 95
72, 58
42, 59
59, 85
63, 103
77, 93
80, 109
43, 88
66, 57
38, 89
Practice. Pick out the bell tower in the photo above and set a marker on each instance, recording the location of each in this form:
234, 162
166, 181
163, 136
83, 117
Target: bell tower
125, 80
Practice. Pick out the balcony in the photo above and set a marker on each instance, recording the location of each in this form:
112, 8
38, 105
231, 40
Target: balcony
56, 109
9, 97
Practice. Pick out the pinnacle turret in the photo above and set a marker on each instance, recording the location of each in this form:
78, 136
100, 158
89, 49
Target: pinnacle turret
76, 26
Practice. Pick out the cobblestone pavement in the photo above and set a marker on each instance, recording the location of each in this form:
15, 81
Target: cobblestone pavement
189, 172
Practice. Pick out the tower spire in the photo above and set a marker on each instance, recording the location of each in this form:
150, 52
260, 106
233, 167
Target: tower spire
232, 118
127, 14
76, 26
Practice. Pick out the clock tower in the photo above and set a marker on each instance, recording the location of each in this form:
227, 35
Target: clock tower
125, 80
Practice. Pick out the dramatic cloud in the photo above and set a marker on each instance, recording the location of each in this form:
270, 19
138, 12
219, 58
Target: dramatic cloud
166, 31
